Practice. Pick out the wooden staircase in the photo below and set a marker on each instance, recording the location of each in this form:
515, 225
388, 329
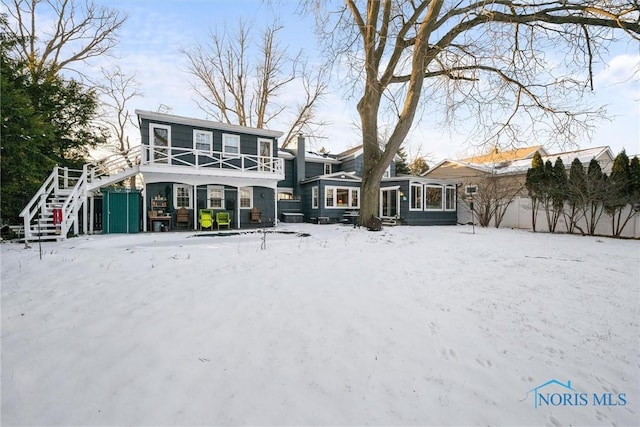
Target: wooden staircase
68, 190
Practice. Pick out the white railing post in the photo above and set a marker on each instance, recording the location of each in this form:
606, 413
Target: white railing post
43, 204
27, 227
85, 215
66, 177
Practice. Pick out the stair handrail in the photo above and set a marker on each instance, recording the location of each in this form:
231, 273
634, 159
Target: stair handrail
37, 202
72, 204
113, 164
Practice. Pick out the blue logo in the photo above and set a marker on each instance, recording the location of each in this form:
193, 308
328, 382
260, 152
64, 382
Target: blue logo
556, 393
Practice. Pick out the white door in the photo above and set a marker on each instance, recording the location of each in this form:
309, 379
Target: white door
265, 155
160, 143
389, 203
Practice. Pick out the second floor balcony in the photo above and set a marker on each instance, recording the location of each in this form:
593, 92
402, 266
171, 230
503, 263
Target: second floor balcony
211, 162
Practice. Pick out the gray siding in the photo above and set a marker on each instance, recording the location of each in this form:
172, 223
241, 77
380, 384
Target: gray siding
352, 165
289, 175
182, 137
313, 169
408, 217
263, 199
334, 214
357, 164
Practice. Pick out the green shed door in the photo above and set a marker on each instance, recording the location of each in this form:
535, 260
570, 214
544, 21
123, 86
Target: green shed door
120, 211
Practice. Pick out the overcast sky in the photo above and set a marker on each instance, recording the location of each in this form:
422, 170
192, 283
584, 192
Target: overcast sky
156, 31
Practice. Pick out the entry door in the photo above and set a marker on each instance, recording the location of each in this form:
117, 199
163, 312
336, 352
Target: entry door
264, 155
389, 202
160, 142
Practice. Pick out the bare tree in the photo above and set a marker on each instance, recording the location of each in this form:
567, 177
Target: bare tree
117, 90
79, 31
495, 194
486, 60
238, 85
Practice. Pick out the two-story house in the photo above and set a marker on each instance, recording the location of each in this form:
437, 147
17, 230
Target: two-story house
186, 166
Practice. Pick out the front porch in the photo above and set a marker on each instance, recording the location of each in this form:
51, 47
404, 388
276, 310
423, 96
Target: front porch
194, 204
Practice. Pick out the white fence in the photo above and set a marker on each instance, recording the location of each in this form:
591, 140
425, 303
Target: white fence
518, 215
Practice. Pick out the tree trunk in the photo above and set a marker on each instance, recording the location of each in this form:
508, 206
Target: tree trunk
370, 200
371, 175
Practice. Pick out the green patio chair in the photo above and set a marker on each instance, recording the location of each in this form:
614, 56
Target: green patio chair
205, 219
223, 218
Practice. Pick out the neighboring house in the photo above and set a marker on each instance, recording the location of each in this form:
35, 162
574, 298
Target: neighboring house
185, 165
511, 166
500, 184
497, 156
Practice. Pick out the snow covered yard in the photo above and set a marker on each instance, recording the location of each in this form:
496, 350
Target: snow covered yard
407, 326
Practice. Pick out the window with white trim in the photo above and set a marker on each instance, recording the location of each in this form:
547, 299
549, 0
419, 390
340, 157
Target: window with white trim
355, 198
314, 198
433, 197
246, 197
327, 168
416, 197
450, 198
329, 202
230, 144
182, 196
342, 197
387, 172
202, 140
215, 197
470, 190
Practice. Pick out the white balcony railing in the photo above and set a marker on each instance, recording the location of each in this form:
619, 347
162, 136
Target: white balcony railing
175, 156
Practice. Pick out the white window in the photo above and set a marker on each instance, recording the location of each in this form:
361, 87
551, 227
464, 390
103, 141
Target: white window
342, 197
215, 197
327, 168
433, 198
182, 196
329, 201
246, 197
387, 172
314, 197
355, 198
230, 144
471, 189
415, 197
202, 140
450, 198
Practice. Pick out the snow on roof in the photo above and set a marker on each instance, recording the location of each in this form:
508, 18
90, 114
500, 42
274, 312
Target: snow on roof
349, 176
312, 156
584, 156
602, 154
285, 154
509, 155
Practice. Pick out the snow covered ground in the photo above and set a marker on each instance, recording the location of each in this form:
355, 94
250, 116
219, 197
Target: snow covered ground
407, 326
